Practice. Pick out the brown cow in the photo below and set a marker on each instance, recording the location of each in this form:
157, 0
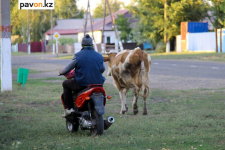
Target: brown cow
130, 69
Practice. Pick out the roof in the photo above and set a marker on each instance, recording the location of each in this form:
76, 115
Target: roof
98, 25
74, 26
63, 32
69, 26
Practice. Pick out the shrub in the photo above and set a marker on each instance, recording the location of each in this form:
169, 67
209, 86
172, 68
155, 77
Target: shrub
64, 41
18, 40
160, 47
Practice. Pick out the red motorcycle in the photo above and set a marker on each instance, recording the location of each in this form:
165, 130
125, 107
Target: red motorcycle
89, 106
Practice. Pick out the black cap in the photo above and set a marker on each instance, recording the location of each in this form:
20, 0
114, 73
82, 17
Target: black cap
87, 40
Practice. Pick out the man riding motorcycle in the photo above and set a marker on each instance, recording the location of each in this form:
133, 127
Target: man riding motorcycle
89, 66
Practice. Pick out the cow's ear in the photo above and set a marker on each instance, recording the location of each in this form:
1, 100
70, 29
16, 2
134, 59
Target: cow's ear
106, 59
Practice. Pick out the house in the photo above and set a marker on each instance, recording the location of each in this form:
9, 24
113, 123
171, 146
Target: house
68, 28
109, 33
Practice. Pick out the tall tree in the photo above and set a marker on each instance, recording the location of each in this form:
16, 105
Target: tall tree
18, 20
152, 24
39, 24
124, 28
40, 20
217, 13
115, 5
65, 9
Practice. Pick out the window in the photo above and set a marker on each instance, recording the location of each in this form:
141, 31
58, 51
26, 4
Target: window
108, 39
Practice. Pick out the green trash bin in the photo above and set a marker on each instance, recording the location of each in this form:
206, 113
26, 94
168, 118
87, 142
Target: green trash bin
22, 75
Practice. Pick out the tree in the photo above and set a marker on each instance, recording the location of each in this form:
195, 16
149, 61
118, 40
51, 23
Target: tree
65, 9
217, 11
152, 23
115, 5
18, 20
40, 20
124, 27
39, 24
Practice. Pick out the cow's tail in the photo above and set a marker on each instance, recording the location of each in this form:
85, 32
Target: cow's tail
145, 74
146, 68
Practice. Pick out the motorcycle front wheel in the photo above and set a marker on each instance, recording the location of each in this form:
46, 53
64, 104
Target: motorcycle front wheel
99, 127
72, 126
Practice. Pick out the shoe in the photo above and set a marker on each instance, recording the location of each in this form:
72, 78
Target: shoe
67, 112
70, 111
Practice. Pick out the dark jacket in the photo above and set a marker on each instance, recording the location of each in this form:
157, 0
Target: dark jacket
89, 66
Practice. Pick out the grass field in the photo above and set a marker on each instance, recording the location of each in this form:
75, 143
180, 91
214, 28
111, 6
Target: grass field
219, 57
15, 70
30, 118
22, 53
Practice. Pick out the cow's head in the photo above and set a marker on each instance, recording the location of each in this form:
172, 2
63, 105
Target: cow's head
109, 59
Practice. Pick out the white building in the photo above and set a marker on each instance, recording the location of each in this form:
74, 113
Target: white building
109, 33
68, 28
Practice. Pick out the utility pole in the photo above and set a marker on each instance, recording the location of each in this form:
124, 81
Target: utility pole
165, 18
92, 22
88, 14
221, 31
216, 40
53, 50
103, 29
221, 40
115, 27
165, 28
85, 26
217, 26
5, 38
28, 33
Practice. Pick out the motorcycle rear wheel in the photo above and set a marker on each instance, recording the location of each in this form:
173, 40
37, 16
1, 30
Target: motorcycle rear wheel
99, 128
72, 126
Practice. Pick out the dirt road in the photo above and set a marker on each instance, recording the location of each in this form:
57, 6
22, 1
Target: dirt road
164, 74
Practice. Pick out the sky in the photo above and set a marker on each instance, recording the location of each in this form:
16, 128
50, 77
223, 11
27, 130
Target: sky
93, 3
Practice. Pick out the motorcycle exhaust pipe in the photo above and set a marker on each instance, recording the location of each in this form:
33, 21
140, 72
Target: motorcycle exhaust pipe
108, 122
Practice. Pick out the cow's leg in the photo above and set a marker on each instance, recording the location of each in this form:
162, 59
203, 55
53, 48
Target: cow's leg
109, 73
125, 92
123, 101
135, 107
145, 95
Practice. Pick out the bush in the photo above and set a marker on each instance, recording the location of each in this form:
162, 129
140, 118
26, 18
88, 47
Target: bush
50, 42
160, 47
64, 41
18, 40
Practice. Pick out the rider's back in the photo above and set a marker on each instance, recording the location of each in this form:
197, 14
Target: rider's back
88, 67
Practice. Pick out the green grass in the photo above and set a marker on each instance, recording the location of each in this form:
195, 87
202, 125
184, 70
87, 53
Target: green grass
219, 57
30, 118
14, 71
23, 53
